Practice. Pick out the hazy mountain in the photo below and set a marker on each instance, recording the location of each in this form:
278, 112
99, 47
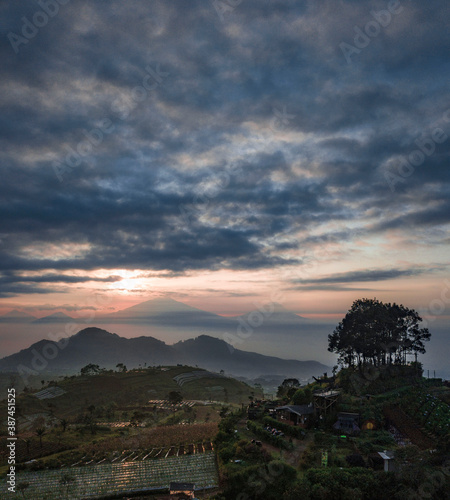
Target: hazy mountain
270, 329
16, 317
216, 354
165, 313
94, 345
273, 330
57, 317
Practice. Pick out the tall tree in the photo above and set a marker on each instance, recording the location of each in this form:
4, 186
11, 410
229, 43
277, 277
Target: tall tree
39, 433
377, 333
175, 397
90, 369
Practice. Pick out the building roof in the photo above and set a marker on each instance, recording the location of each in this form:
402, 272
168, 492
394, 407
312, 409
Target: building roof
297, 409
344, 414
327, 394
182, 486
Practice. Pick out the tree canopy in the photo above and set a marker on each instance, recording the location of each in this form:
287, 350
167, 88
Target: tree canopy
90, 369
377, 333
175, 397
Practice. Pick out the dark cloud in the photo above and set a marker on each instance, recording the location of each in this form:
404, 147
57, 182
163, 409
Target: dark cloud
258, 129
55, 278
370, 275
12, 284
330, 288
65, 307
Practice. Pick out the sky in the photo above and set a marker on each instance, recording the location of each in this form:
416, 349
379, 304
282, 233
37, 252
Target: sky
225, 154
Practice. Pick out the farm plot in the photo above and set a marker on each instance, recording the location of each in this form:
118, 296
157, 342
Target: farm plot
407, 427
164, 404
117, 478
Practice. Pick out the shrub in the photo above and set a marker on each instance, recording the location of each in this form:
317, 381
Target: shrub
296, 432
259, 431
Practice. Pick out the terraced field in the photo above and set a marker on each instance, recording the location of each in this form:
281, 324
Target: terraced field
93, 481
406, 425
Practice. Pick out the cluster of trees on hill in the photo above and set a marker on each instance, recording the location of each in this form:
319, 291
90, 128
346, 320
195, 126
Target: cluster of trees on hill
376, 333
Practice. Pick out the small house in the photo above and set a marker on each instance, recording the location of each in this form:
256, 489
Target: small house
388, 458
294, 414
347, 423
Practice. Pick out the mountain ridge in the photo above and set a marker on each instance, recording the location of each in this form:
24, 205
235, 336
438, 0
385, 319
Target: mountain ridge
98, 346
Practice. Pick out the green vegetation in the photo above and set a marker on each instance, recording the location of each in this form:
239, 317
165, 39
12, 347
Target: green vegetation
103, 411
248, 470
110, 391
289, 430
321, 463
378, 334
112, 478
259, 431
125, 426
428, 410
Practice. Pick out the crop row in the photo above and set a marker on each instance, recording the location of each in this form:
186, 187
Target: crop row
429, 411
115, 478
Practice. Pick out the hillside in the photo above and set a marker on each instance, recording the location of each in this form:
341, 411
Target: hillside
213, 353
94, 345
134, 388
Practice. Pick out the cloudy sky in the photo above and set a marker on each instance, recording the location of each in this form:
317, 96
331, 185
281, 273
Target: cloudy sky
219, 152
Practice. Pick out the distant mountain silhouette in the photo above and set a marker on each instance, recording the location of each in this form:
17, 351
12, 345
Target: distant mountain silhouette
16, 316
57, 317
94, 345
270, 329
165, 312
216, 354
270, 321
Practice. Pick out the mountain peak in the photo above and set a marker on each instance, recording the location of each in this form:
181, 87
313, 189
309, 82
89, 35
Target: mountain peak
16, 316
15, 313
58, 315
98, 346
156, 307
93, 331
54, 318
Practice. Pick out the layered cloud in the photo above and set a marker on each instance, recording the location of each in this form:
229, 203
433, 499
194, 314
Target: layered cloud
184, 136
